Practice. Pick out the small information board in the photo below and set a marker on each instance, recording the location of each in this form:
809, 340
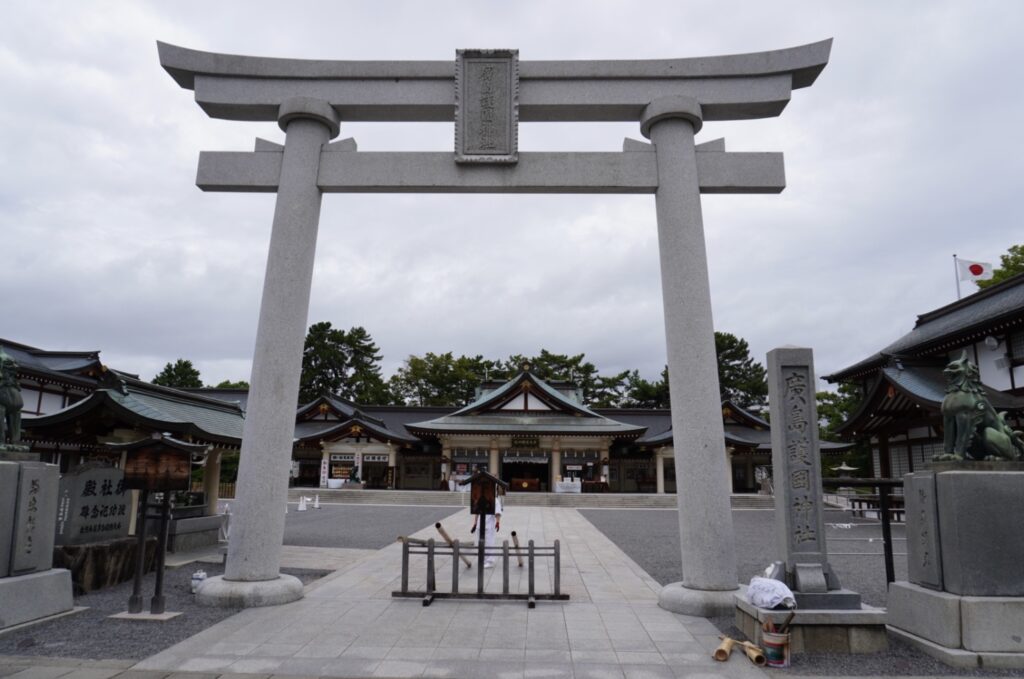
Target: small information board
483, 488
93, 505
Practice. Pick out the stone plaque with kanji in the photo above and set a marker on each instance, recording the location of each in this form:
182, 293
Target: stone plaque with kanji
486, 106
93, 505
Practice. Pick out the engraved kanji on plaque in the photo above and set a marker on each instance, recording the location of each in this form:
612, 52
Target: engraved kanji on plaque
487, 106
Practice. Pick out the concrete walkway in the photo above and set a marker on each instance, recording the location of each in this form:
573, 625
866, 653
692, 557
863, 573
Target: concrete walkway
348, 624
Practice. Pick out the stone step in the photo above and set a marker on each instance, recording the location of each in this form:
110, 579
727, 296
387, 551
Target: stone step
458, 499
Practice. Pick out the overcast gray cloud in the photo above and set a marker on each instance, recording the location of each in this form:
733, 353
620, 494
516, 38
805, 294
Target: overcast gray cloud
906, 150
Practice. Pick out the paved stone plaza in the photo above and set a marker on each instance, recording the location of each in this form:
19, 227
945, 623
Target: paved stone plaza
349, 625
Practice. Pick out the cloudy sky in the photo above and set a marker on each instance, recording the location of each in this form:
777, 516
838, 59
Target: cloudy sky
908, 149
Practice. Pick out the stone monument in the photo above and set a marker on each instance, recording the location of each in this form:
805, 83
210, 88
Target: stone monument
964, 599
29, 587
829, 618
486, 93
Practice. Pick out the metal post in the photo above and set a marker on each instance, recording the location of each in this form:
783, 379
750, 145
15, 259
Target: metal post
455, 566
532, 567
431, 584
558, 569
405, 567
135, 600
156, 604
504, 567
532, 601
883, 508
480, 555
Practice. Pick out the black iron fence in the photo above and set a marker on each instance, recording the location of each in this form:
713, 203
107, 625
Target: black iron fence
881, 502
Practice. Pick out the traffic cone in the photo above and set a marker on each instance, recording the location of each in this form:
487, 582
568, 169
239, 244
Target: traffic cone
302, 503
316, 501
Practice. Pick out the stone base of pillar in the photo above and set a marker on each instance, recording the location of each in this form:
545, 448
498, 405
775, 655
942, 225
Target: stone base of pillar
698, 602
217, 591
34, 596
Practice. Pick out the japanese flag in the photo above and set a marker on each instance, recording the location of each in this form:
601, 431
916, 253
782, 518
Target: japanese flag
974, 271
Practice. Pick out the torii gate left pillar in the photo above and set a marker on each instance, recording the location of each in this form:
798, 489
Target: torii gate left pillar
669, 98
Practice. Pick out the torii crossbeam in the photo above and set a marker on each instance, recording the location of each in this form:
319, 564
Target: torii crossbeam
486, 93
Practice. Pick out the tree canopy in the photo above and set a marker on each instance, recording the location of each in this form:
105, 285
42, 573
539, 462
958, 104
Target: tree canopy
441, 379
642, 393
347, 364
741, 379
181, 375
447, 380
228, 384
1010, 264
342, 363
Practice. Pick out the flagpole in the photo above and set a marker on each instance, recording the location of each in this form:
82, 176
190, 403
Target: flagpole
956, 275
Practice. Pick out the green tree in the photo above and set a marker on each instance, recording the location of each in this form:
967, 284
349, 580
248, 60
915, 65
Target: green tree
835, 408
596, 390
1010, 264
342, 363
647, 394
741, 379
228, 384
181, 375
365, 382
441, 379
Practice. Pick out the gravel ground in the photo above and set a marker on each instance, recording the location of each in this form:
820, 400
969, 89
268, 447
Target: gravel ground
651, 538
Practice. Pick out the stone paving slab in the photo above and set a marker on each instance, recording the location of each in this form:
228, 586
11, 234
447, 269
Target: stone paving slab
348, 624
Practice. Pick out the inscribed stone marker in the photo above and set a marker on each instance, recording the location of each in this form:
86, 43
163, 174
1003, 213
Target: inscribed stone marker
93, 505
8, 495
924, 560
36, 511
486, 106
796, 466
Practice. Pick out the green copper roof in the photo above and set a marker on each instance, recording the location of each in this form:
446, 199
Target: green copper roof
563, 414
149, 406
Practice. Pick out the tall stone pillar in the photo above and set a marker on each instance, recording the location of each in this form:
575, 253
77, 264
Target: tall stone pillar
705, 519
659, 471
211, 481
493, 461
252, 576
392, 464
555, 467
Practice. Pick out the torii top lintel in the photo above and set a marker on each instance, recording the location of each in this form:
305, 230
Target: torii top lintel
731, 87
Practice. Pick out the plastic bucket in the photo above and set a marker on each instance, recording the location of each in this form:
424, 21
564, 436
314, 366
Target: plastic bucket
776, 649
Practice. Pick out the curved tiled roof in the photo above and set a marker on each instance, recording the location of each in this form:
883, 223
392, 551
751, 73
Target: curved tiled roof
953, 325
158, 408
565, 417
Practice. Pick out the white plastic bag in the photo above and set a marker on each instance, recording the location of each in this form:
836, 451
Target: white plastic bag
768, 593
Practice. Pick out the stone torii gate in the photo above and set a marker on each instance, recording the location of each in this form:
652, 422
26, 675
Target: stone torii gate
486, 93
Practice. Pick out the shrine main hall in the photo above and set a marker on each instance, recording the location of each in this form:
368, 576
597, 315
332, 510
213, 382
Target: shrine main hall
536, 435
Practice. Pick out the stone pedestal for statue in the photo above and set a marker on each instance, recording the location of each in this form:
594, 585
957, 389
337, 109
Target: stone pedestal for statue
29, 587
964, 601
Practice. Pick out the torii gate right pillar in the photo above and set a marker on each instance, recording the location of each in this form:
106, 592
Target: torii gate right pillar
705, 521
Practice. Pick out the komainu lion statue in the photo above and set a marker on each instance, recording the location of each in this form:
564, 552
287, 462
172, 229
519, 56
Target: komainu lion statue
10, 401
971, 426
